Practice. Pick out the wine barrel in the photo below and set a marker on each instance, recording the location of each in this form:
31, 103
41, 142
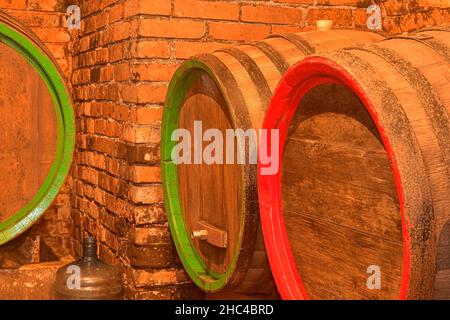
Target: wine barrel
37, 137
213, 208
359, 208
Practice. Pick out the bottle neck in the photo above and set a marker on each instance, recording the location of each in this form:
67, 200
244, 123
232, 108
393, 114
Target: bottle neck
90, 249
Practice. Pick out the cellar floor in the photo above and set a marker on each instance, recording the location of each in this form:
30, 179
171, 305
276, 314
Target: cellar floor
28, 267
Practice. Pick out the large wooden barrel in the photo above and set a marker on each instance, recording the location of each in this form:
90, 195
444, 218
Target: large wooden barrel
37, 136
360, 207
213, 208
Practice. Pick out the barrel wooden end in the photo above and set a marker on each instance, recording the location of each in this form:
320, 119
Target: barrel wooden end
193, 264
15, 36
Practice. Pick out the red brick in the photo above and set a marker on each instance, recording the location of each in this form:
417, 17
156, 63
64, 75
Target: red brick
235, 31
159, 7
38, 19
153, 72
116, 13
150, 49
340, 17
145, 215
217, 10
150, 236
146, 194
146, 115
47, 5
52, 35
13, 4
185, 50
144, 93
272, 14
182, 29
140, 134
145, 174
156, 256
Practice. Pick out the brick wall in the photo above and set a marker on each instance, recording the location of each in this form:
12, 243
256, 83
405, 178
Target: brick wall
124, 56
47, 19
119, 65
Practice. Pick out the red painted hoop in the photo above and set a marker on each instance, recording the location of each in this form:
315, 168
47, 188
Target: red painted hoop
300, 79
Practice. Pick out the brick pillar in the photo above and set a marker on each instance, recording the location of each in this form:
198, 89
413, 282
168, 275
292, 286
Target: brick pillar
120, 78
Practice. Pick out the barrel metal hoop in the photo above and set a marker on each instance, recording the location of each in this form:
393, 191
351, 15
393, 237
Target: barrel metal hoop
297, 41
273, 55
432, 43
240, 114
439, 47
254, 72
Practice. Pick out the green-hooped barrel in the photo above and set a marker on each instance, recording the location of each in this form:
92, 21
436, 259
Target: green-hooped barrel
213, 208
37, 136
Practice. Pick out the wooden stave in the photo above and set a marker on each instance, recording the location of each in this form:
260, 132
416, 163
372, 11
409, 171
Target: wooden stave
438, 116
437, 105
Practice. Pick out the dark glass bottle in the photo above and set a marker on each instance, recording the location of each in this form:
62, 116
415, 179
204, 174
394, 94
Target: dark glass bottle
88, 278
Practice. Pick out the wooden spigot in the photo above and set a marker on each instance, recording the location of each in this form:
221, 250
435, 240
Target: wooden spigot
199, 234
211, 234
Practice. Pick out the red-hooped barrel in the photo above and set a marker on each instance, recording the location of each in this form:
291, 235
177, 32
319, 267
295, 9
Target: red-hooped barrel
360, 206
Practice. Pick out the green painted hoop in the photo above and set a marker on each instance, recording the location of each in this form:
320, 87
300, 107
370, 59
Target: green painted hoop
31, 50
193, 264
